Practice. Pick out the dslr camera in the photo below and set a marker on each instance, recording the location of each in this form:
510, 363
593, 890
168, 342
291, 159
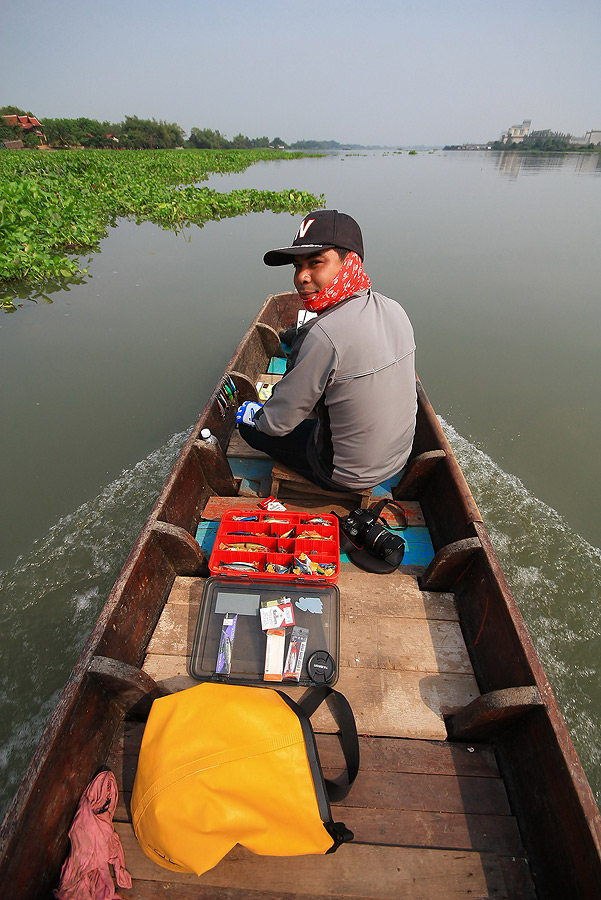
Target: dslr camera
363, 530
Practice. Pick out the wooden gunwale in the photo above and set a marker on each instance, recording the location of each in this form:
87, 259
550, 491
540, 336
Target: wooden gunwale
503, 655
548, 791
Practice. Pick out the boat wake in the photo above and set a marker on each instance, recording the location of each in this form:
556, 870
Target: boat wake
555, 576
51, 600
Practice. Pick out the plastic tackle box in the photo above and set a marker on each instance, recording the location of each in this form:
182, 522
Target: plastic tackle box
316, 608
253, 541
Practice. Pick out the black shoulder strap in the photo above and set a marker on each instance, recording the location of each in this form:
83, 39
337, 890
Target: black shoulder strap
376, 509
339, 787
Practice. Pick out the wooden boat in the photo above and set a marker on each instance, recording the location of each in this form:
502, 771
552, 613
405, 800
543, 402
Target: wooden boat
469, 783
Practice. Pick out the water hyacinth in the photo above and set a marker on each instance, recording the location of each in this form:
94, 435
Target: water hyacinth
54, 206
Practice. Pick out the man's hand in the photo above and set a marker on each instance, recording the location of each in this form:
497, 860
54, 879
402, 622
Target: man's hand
246, 413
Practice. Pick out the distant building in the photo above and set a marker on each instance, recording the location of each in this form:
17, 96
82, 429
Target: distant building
515, 134
27, 124
593, 137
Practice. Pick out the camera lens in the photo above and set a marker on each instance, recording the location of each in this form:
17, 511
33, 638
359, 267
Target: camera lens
374, 535
384, 543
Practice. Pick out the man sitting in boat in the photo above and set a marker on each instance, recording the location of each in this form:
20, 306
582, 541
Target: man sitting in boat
343, 415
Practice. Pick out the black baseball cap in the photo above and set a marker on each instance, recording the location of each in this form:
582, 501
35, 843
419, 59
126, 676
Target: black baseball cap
320, 230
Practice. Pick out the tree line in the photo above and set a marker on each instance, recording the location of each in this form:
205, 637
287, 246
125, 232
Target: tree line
133, 133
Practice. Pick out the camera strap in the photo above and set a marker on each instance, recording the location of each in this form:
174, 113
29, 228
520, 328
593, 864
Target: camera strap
376, 509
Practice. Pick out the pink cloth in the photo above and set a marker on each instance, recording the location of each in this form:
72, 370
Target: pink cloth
94, 845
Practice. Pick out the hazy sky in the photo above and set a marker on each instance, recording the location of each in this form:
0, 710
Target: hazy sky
374, 72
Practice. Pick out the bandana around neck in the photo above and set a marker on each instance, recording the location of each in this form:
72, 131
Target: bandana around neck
350, 280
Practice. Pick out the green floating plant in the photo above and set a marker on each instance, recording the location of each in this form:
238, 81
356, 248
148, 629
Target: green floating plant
54, 206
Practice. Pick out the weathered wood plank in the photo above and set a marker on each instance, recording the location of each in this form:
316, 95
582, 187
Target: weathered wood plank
216, 506
355, 870
412, 756
517, 878
427, 828
392, 595
414, 828
377, 754
397, 594
238, 447
287, 479
406, 644
186, 590
385, 702
153, 890
435, 793
409, 644
174, 633
430, 810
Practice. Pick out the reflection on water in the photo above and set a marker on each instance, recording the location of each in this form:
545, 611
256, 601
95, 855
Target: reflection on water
514, 164
16, 295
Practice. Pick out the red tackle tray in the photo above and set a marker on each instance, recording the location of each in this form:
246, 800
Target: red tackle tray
280, 539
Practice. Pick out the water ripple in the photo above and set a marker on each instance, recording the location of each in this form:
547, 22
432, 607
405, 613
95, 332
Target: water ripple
51, 600
555, 576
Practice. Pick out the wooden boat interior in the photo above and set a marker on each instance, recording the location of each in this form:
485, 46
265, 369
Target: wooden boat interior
469, 784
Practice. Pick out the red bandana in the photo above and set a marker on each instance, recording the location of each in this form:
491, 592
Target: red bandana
350, 280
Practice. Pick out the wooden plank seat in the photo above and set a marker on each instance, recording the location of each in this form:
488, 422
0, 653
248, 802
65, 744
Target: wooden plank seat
282, 475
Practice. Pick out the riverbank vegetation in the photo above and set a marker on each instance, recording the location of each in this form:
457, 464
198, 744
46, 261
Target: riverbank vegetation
55, 206
138, 134
134, 134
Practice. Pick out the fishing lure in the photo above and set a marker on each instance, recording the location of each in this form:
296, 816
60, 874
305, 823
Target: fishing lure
327, 569
232, 384
244, 545
306, 566
245, 518
229, 393
222, 406
240, 566
317, 520
276, 569
315, 536
302, 565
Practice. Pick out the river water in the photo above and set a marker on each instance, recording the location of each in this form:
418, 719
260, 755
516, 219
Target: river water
496, 259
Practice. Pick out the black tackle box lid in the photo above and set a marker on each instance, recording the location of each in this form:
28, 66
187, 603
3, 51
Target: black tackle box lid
223, 595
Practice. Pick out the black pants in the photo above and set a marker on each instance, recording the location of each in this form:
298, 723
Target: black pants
292, 450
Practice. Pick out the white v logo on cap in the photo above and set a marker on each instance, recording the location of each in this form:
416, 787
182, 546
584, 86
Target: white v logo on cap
304, 228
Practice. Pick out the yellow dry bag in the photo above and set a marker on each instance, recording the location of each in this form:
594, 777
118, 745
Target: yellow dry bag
224, 764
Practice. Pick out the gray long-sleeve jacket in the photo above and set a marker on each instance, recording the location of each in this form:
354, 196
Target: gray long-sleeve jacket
354, 367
